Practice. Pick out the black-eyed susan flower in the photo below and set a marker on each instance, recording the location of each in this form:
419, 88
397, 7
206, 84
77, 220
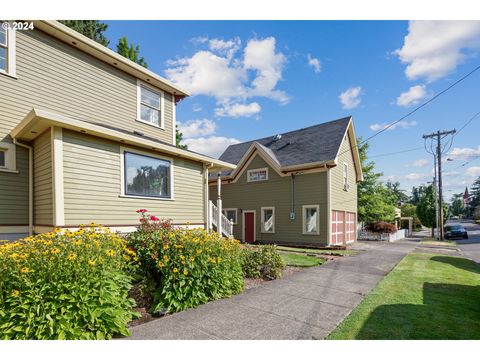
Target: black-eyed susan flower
72, 256
175, 270
185, 272
55, 250
15, 293
24, 270
91, 262
110, 252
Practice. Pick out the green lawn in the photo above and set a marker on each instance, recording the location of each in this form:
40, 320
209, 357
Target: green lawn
432, 241
317, 251
426, 296
301, 260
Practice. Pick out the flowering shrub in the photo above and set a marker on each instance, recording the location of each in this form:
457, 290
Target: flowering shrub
263, 262
382, 227
190, 267
70, 285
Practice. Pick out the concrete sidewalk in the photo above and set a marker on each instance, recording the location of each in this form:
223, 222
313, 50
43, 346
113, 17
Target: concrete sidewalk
306, 305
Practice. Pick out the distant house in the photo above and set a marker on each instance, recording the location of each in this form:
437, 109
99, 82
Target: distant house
298, 187
87, 135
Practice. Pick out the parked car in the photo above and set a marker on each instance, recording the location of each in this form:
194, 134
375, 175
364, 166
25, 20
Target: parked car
455, 231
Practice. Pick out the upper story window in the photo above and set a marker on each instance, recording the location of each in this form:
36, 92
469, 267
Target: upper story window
147, 176
7, 157
257, 175
345, 177
150, 105
2, 158
7, 51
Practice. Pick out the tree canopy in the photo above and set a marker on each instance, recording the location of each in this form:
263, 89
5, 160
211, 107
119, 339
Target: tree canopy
375, 201
92, 29
130, 51
179, 139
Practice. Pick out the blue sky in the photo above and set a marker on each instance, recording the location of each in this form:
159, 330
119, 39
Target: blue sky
251, 79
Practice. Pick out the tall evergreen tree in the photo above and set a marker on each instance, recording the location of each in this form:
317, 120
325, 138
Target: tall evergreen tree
399, 194
475, 195
179, 139
375, 201
130, 51
92, 29
457, 208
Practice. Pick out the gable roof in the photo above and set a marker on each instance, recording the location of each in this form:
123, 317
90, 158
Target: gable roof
316, 146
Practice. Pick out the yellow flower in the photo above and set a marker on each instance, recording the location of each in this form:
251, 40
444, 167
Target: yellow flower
15, 293
126, 257
182, 257
219, 259
178, 246
185, 272
96, 242
192, 259
55, 250
14, 255
199, 251
110, 252
165, 258
161, 264
91, 262
77, 242
24, 270
212, 260
165, 247
175, 270
72, 256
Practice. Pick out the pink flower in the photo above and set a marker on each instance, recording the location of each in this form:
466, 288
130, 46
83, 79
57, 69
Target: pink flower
142, 211
154, 218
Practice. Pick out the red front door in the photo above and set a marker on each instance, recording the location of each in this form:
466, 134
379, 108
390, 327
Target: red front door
249, 227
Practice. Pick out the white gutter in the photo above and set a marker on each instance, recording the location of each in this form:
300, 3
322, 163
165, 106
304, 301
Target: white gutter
30, 184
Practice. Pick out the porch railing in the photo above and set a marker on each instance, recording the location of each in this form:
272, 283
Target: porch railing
226, 226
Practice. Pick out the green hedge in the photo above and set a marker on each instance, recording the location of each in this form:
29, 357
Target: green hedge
263, 262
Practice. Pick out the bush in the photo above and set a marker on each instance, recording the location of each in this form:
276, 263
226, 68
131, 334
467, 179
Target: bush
190, 267
262, 262
66, 286
382, 227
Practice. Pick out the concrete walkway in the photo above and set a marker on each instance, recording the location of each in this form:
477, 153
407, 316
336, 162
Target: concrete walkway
306, 305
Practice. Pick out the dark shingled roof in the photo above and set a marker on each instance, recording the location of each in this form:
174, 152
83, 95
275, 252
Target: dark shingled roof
316, 143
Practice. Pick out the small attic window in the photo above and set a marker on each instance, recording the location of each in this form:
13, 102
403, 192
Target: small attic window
257, 175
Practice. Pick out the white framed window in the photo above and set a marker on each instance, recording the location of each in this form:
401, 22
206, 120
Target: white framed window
311, 219
7, 157
230, 214
150, 103
268, 220
345, 177
7, 51
146, 176
257, 175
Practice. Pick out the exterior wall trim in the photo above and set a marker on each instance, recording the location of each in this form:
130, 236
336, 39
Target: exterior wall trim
14, 229
57, 176
329, 207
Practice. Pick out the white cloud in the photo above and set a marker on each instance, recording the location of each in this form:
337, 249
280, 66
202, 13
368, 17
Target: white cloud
196, 128
473, 171
238, 110
212, 145
401, 124
464, 153
416, 177
412, 96
220, 70
418, 163
432, 49
260, 56
197, 107
350, 98
315, 64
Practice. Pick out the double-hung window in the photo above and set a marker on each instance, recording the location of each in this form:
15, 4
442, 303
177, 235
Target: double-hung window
147, 176
2, 158
257, 175
7, 51
311, 220
7, 157
150, 105
230, 214
268, 220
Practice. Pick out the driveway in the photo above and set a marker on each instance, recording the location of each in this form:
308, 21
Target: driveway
306, 305
471, 246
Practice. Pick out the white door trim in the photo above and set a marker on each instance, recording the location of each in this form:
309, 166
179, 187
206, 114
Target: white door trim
254, 224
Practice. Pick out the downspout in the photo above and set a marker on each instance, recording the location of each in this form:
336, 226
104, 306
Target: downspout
30, 184
292, 211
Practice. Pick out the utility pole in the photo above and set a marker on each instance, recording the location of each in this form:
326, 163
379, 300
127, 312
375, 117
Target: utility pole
438, 135
435, 183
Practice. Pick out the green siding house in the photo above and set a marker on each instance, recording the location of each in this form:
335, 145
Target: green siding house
294, 188
87, 135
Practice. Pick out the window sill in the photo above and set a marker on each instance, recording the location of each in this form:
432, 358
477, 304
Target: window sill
8, 75
145, 197
9, 171
149, 123
315, 234
268, 232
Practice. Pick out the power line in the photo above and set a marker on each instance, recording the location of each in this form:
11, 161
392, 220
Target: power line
468, 122
416, 109
396, 152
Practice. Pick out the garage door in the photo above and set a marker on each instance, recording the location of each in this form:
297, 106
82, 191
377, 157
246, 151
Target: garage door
337, 227
350, 227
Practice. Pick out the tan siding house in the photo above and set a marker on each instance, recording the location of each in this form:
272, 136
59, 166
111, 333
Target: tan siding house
294, 188
89, 136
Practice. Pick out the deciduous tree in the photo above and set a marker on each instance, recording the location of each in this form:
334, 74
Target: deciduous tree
92, 29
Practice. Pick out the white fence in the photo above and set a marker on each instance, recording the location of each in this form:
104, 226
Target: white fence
368, 235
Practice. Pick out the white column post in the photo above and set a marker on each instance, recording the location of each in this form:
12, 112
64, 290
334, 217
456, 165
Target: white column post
219, 202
